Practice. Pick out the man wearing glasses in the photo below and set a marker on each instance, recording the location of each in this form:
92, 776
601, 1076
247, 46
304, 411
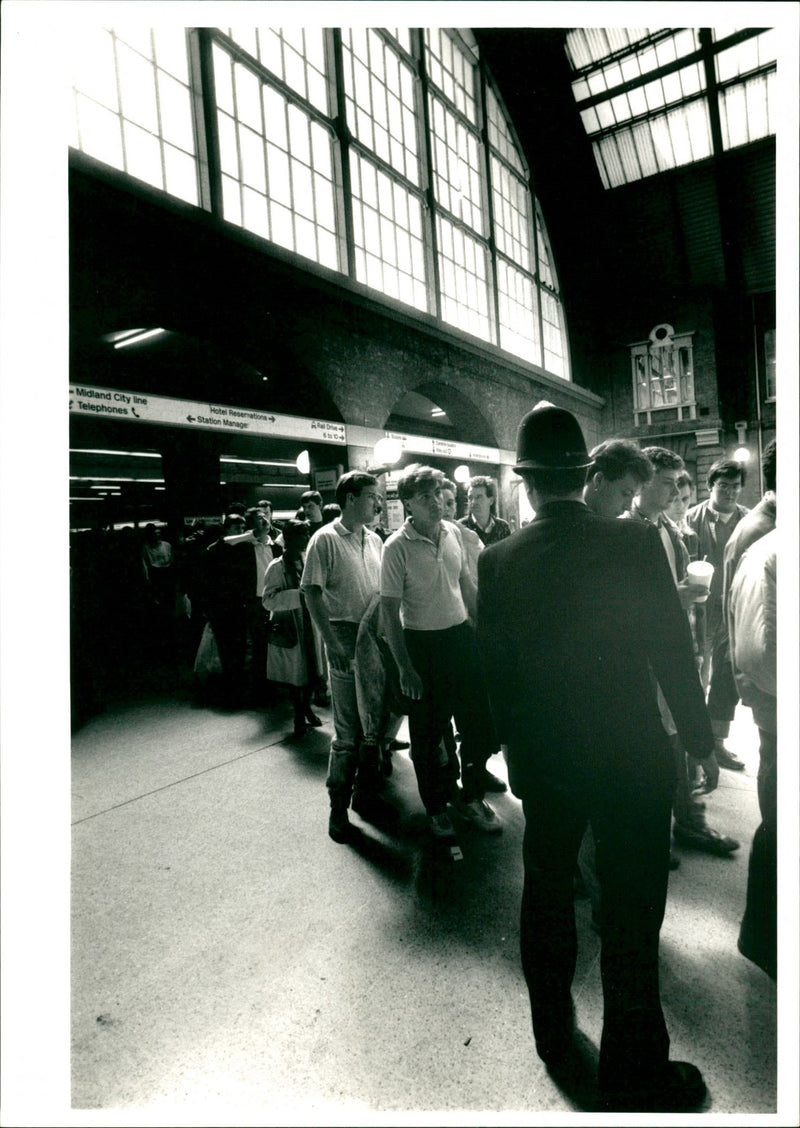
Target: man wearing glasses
713, 521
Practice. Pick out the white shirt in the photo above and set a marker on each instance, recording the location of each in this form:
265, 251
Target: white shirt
426, 577
347, 566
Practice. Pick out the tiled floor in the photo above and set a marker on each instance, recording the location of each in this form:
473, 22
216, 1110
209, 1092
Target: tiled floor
232, 965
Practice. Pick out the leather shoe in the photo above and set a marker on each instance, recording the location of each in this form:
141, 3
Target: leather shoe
705, 839
312, 719
339, 827
398, 745
676, 1087
727, 759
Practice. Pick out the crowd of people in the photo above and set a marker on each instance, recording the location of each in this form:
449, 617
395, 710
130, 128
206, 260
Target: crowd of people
583, 646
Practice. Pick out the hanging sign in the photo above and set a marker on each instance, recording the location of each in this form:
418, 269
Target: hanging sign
423, 444
138, 407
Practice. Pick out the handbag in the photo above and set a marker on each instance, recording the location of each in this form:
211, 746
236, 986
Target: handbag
281, 630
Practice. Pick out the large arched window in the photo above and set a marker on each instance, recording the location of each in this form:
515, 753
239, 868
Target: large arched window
383, 154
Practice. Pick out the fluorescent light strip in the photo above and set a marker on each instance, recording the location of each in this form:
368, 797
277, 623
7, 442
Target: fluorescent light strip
134, 340
272, 485
255, 462
123, 453
103, 478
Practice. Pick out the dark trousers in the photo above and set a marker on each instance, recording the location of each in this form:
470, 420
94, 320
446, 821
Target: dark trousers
758, 934
452, 686
631, 823
723, 696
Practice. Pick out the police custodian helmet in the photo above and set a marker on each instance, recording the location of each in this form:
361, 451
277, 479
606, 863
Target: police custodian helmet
550, 438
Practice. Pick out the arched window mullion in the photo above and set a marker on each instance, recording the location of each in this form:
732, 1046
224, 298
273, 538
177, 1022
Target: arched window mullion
425, 133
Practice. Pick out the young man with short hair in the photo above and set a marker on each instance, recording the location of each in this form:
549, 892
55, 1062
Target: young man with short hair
427, 597
341, 575
482, 517
617, 472
649, 507
713, 521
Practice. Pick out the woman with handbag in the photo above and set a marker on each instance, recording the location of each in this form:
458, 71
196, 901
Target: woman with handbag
291, 654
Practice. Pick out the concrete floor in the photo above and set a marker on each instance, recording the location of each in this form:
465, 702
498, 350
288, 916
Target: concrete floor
232, 965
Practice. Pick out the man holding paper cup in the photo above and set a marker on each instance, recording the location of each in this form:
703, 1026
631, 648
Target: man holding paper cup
691, 828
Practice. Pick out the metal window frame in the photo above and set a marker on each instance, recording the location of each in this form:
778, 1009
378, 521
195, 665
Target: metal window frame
204, 111
685, 408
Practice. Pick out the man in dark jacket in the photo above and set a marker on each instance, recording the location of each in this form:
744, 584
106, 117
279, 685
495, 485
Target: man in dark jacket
575, 614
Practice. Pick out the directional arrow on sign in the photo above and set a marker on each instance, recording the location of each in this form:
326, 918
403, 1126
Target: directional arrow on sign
190, 418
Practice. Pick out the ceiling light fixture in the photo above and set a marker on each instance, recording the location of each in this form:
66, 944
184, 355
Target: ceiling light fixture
256, 462
139, 335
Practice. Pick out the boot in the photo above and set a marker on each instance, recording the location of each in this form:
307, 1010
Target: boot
339, 826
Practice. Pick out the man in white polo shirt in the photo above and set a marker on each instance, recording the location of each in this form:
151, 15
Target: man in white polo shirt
427, 594
340, 577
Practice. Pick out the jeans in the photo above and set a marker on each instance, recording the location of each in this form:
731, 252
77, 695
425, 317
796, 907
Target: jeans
452, 686
348, 765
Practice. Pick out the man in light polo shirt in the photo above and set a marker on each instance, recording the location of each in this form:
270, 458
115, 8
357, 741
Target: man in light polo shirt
427, 594
340, 577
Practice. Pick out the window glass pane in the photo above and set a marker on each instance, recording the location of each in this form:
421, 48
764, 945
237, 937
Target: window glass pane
171, 54
137, 88
137, 37
223, 81
456, 167
229, 152
452, 71
518, 313
245, 37
275, 117
380, 107
554, 337
176, 112
500, 136
248, 96
297, 56
126, 107
99, 131
290, 199
511, 215
142, 155
255, 217
231, 200
465, 297
93, 70
662, 143
387, 234
181, 174
251, 147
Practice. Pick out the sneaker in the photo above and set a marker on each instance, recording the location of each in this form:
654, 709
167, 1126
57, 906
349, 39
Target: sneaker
441, 826
727, 759
479, 813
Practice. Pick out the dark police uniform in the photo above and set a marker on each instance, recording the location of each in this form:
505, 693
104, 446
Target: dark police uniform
574, 612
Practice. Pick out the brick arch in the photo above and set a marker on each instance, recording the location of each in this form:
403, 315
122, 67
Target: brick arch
470, 425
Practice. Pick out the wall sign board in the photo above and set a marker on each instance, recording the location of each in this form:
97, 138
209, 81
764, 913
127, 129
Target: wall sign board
133, 407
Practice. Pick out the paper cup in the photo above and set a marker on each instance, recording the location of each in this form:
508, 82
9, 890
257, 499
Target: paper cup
700, 572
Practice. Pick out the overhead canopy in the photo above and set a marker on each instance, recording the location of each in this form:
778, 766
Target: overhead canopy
653, 99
